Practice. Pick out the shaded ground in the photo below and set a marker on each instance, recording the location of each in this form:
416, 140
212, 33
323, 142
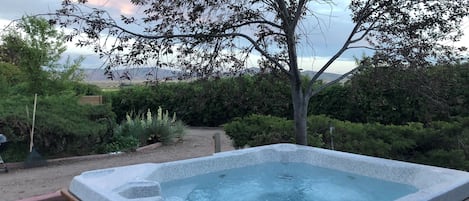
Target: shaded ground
24, 183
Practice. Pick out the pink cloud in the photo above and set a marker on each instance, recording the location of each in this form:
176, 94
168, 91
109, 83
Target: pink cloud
124, 6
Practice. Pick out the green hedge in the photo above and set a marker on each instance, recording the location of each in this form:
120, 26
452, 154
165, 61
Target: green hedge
444, 144
208, 102
256, 130
218, 101
63, 127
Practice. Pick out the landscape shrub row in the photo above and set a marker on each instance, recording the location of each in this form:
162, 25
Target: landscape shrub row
257, 130
381, 95
208, 102
62, 127
65, 128
444, 144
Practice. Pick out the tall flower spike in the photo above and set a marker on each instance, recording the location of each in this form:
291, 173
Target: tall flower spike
149, 118
127, 117
166, 116
160, 114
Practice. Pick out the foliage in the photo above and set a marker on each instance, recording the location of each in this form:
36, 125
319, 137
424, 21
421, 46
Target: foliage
209, 102
382, 95
147, 129
63, 128
10, 73
335, 101
209, 37
69, 71
400, 95
442, 143
33, 45
29, 55
256, 130
80, 88
120, 142
408, 33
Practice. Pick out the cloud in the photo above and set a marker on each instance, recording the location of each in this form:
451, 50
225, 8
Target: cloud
123, 6
4, 23
15, 9
340, 66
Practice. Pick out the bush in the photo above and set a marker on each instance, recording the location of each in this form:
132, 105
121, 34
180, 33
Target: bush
11, 73
209, 102
164, 129
119, 143
256, 130
63, 127
84, 89
443, 144
140, 130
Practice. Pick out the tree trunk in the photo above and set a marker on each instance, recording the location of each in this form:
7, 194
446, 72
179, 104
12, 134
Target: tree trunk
300, 108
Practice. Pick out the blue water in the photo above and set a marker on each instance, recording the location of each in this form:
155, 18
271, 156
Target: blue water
283, 182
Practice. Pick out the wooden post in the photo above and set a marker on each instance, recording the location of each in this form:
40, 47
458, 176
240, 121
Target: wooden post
217, 140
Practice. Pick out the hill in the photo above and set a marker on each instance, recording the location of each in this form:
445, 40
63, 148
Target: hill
145, 73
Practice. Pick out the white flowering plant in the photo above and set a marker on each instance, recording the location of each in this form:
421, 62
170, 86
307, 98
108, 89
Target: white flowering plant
148, 128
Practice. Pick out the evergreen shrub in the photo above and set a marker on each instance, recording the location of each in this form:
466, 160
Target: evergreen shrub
208, 102
444, 144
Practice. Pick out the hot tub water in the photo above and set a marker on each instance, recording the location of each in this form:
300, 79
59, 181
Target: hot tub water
276, 181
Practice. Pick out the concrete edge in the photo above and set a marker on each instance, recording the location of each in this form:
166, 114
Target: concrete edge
54, 196
20, 165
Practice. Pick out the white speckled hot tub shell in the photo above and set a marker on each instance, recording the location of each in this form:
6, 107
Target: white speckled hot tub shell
141, 182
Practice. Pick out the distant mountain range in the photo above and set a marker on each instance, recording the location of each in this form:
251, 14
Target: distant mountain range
142, 74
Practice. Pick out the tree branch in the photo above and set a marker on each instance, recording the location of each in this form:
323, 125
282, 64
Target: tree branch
364, 34
299, 11
157, 37
256, 22
260, 50
283, 11
333, 82
349, 40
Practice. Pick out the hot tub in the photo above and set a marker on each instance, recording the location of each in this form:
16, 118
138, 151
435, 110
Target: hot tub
179, 180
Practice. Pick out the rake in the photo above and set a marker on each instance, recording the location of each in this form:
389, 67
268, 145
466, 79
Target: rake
34, 159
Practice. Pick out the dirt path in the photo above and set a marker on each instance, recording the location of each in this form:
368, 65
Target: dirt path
24, 183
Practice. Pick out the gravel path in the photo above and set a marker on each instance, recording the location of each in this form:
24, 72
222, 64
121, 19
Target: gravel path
24, 183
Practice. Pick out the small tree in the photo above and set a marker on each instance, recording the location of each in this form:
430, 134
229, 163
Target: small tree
36, 47
32, 44
207, 37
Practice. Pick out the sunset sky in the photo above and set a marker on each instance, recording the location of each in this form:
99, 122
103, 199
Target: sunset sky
336, 26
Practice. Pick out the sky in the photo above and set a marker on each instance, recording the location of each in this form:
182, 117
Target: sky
335, 27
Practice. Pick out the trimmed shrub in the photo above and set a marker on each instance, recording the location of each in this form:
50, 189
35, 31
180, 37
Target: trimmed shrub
256, 130
443, 144
208, 102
